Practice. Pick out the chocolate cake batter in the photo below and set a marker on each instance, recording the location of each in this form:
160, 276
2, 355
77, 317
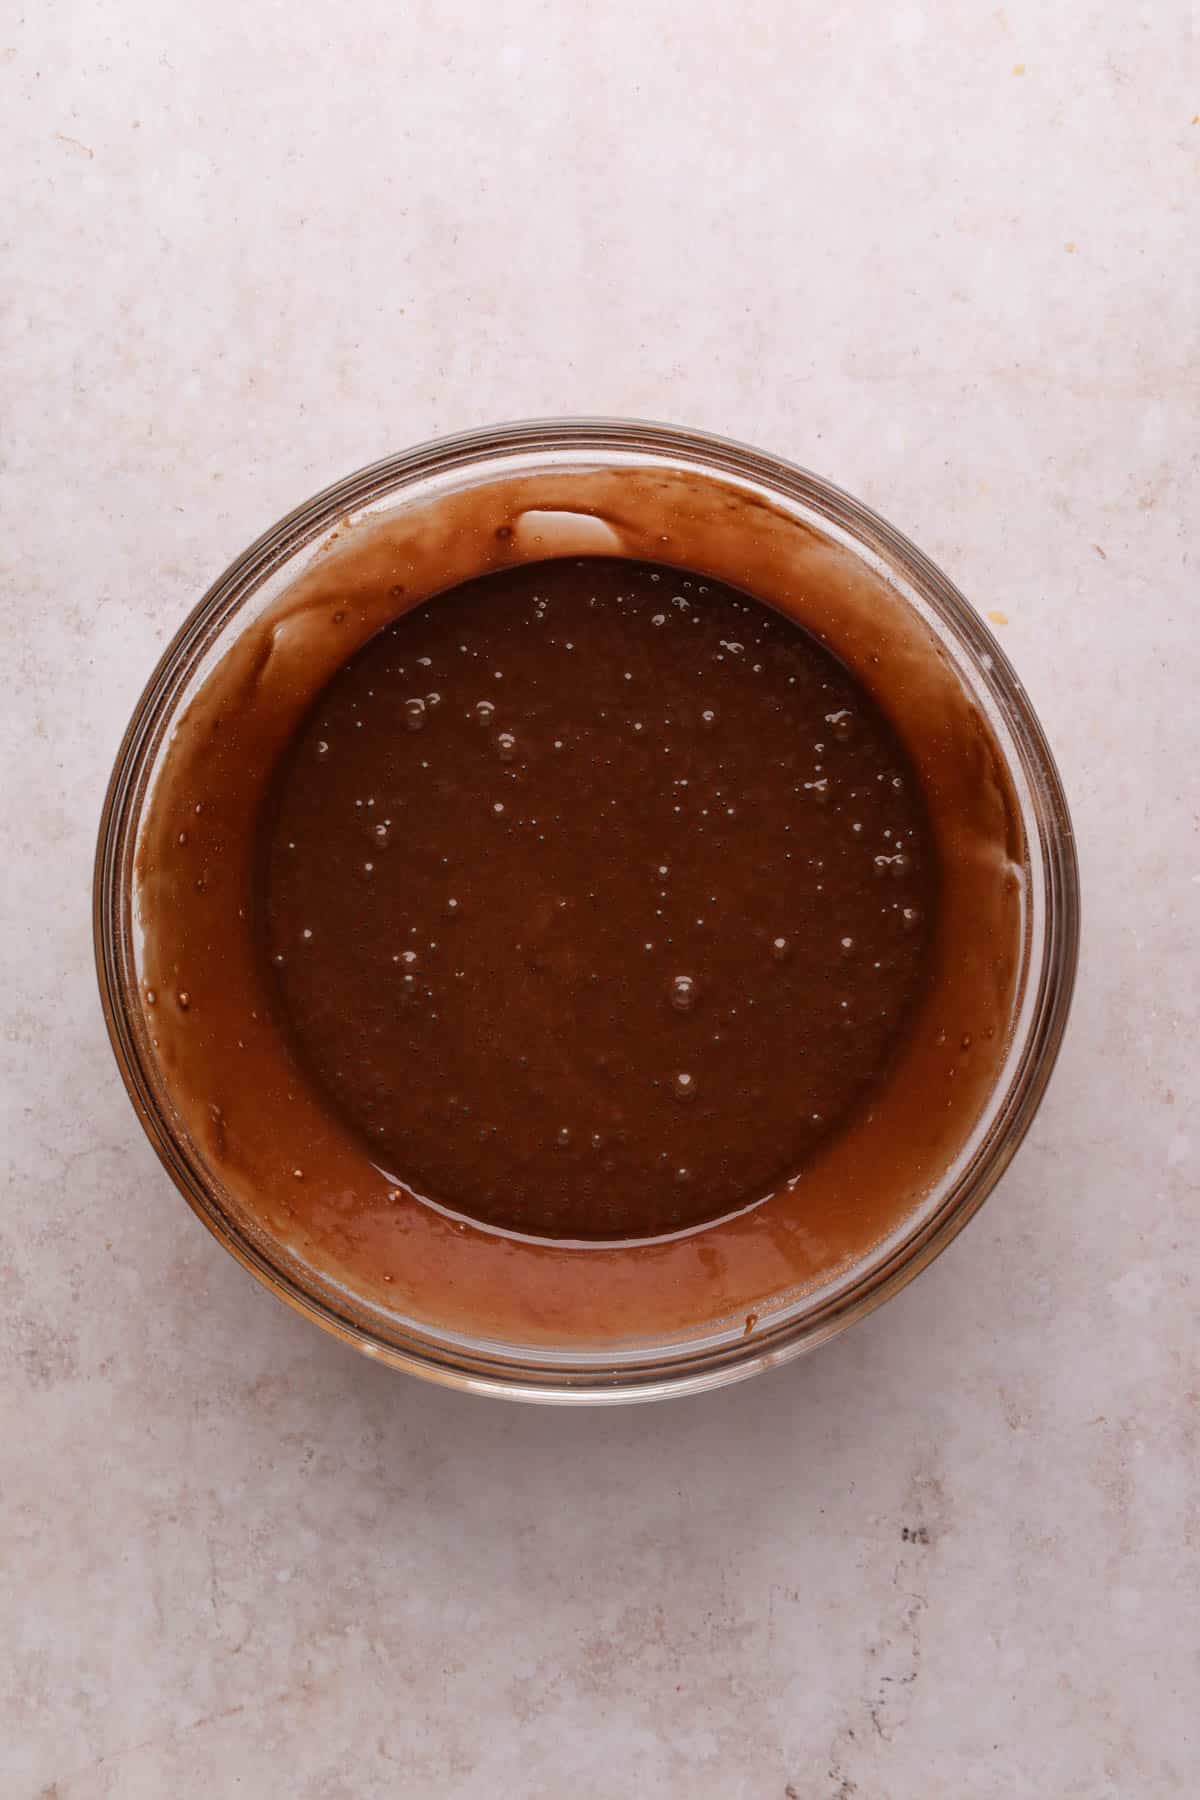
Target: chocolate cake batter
595, 897
473, 1101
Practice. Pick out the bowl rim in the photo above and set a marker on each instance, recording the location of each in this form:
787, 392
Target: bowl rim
699, 1370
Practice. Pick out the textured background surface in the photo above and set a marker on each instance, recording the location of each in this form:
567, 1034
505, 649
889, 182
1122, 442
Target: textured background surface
952, 265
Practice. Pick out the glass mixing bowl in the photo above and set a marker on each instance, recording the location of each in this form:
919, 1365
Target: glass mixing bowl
724, 1349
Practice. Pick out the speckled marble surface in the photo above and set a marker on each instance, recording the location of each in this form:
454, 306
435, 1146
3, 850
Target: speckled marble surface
947, 256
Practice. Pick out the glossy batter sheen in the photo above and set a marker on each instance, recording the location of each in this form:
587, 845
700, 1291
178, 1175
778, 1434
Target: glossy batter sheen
595, 898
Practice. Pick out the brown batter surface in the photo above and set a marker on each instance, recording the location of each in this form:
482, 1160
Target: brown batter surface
596, 897
280, 1076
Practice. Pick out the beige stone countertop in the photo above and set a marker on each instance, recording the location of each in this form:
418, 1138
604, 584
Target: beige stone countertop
945, 255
